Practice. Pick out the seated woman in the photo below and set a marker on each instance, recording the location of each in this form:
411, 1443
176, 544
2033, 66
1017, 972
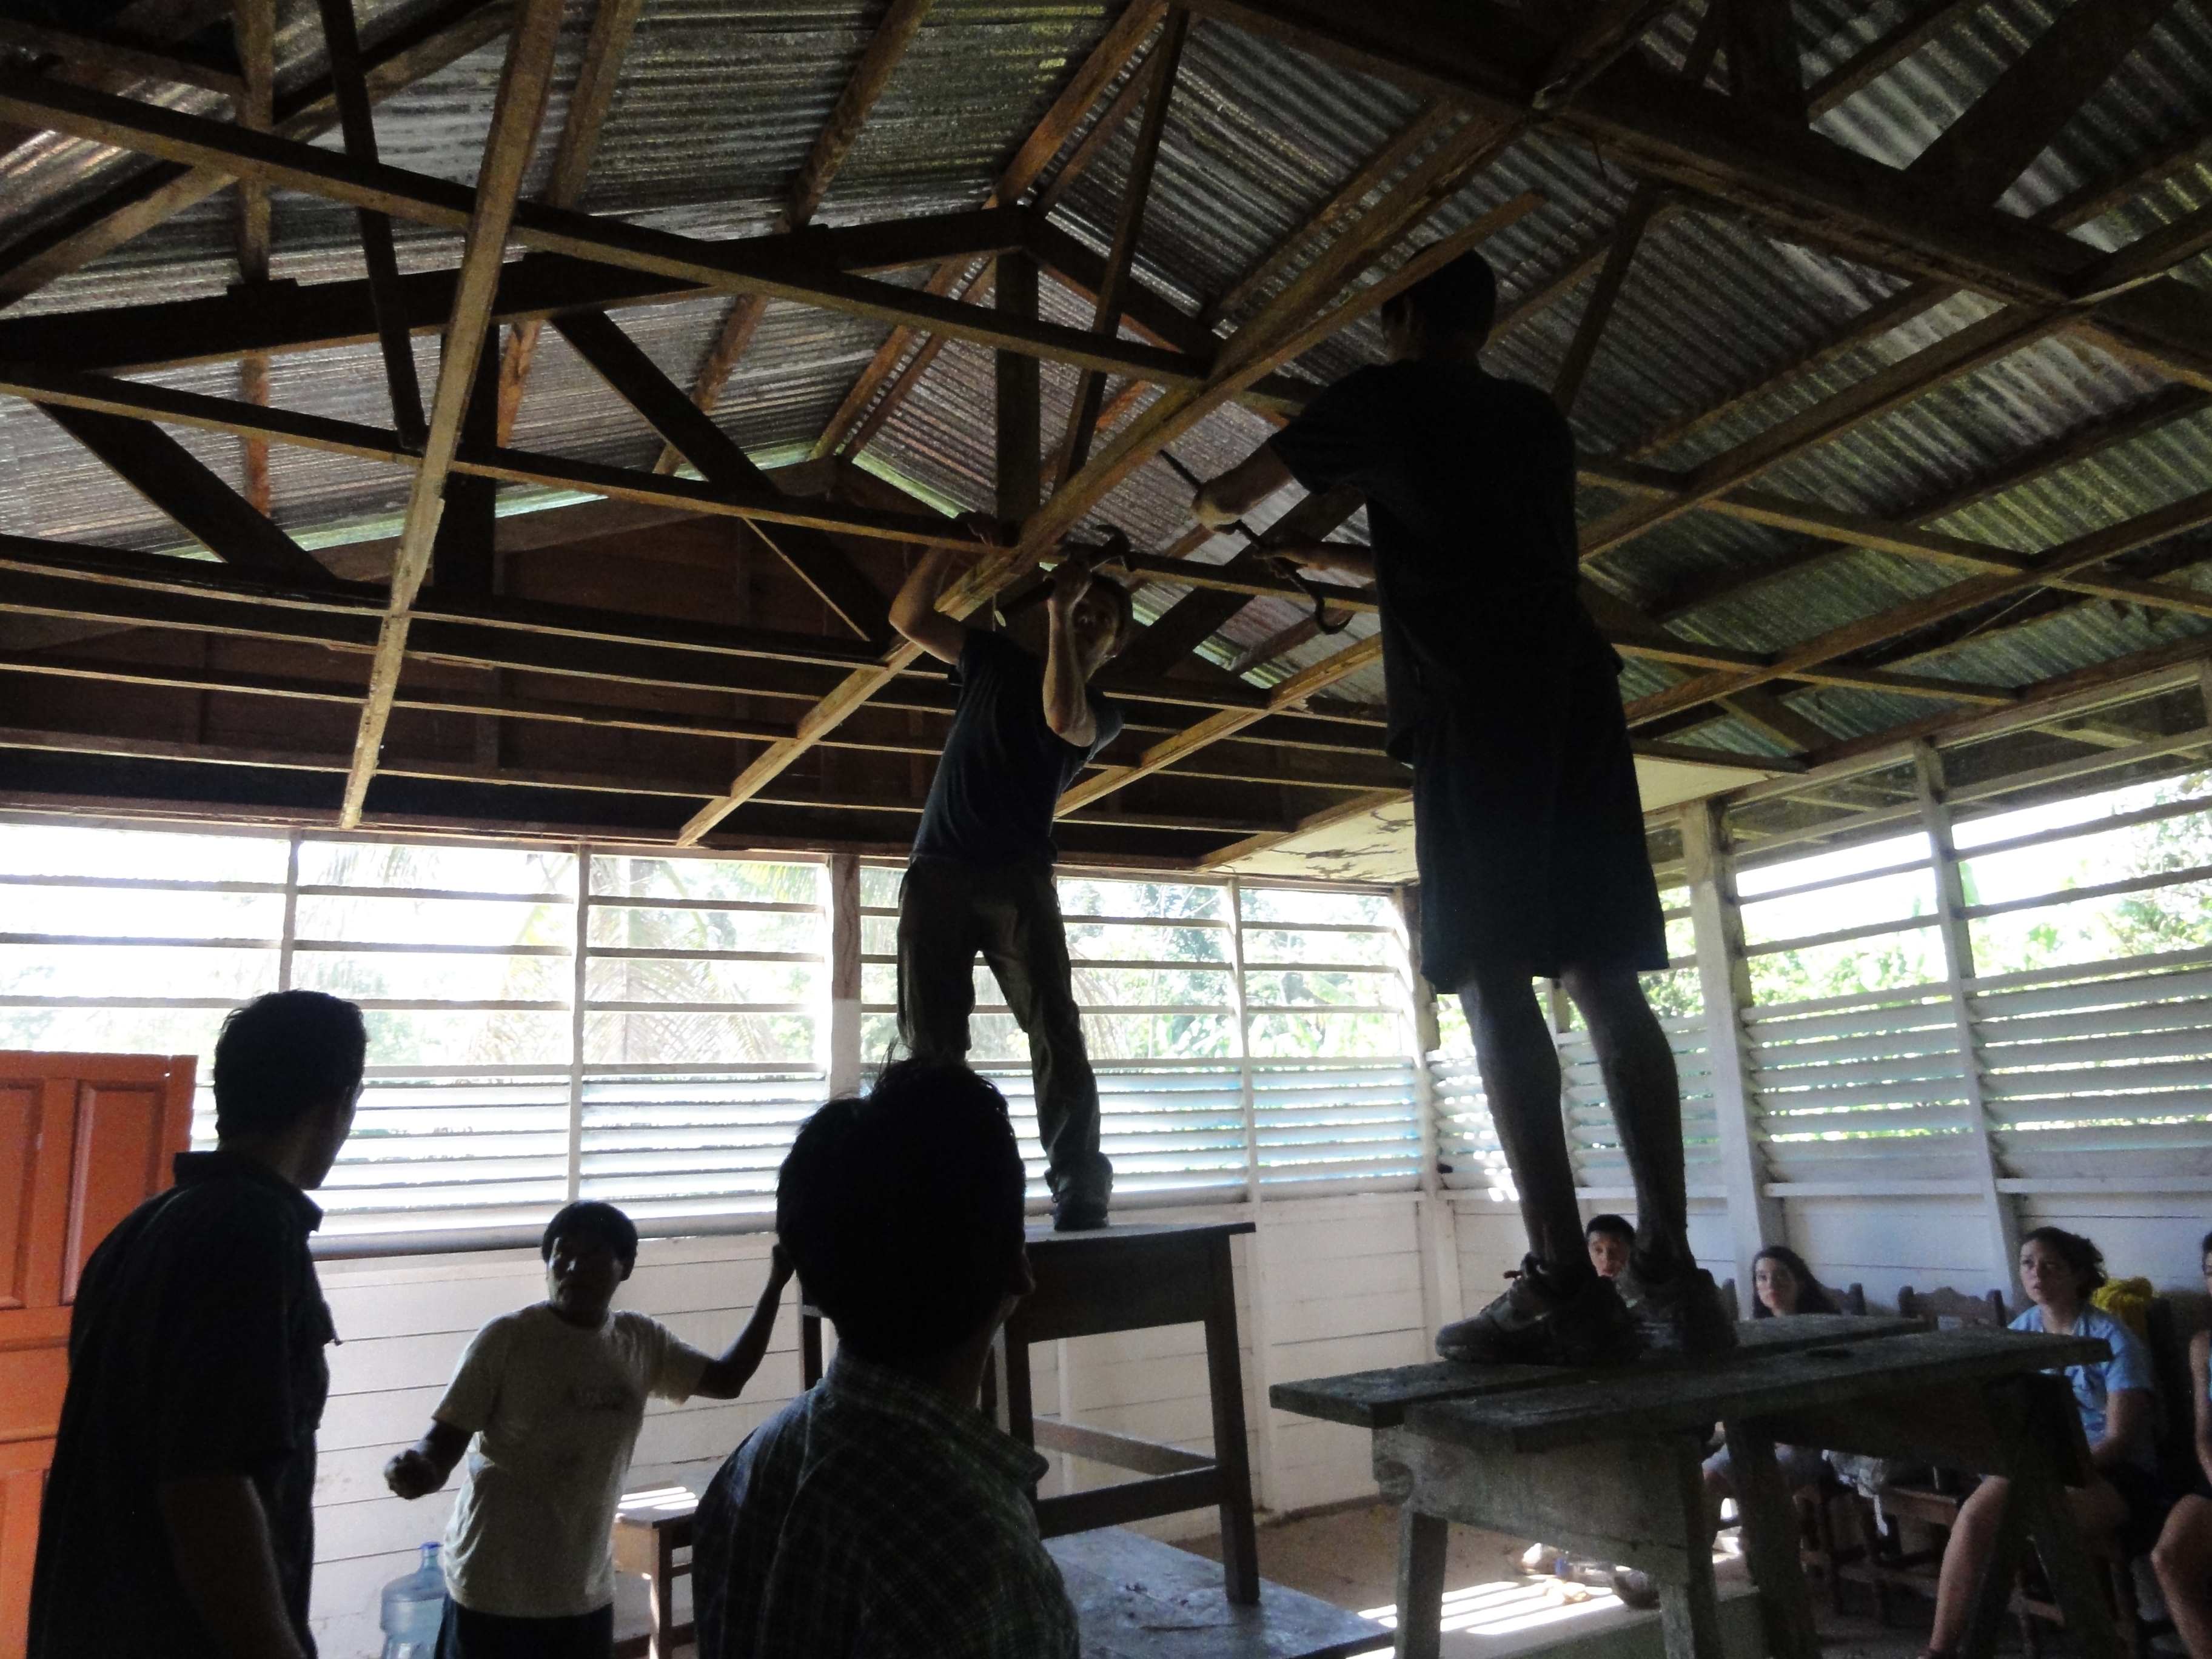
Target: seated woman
1782, 1286
2183, 1555
2059, 1271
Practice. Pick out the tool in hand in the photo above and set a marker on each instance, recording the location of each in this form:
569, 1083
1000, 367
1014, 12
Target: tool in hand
1275, 561
1114, 550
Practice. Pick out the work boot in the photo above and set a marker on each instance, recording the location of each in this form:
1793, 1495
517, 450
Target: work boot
1678, 1309
1536, 1323
1078, 1213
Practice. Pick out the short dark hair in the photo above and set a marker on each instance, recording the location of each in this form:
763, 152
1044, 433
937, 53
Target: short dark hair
283, 1056
902, 1210
1456, 299
1611, 1226
2080, 1254
587, 1217
1813, 1297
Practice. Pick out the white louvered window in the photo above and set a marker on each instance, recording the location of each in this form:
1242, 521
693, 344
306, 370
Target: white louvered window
563, 1020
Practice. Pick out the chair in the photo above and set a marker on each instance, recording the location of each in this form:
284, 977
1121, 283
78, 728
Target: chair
1948, 1308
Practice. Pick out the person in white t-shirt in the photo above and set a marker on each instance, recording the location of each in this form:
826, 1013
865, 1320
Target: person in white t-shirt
547, 1401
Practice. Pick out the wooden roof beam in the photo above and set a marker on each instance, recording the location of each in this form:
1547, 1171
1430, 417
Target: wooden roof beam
1581, 350
525, 82
1128, 227
886, 47
853, 599
112, 56
181, 486
613, 23
253, 31
1106, 60
1886, 53
154, 195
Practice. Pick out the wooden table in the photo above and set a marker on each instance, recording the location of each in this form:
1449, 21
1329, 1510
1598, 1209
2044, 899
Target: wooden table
1127, 1277
650, 1527
1606, 1462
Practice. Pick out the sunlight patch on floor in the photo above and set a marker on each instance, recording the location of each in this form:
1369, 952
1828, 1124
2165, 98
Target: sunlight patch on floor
1509, 1606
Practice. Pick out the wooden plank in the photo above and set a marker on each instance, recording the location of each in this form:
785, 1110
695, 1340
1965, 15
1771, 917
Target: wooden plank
1018, 411
894, 33
1120, 1451
613, 23
732, 267
115, 57
342, 43
254, 30
175, 482
1627, 235
1648, 1401
1110, 122
156, 194
465, 553
1134, 1595
819, 563
1380, 1399
525, 82
1886, 52
1129, 226
1978, 156
1031, 158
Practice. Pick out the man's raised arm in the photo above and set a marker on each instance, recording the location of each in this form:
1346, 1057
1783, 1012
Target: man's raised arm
914, 612
1221, 503
1067, 708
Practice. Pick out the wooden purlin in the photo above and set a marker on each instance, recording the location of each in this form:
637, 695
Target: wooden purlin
145, 401
886, 47
525, 82
1628, 235
1091, 77
1122, 253
254, 33
741, 266
108, 55
159, 193
613, 23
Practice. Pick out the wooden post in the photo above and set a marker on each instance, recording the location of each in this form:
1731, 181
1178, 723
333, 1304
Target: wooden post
2002, 1223
1724, 983
841, 1044
1020, 437
1422, 1539
1224, 1376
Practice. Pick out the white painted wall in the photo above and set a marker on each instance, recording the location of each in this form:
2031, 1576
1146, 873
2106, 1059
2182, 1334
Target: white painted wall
1338, 1285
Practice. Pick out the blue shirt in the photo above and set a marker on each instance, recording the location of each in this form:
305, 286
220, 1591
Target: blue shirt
2094, 1383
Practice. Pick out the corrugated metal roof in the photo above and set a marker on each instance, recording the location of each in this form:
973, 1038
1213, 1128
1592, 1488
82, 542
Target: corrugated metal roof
720, 100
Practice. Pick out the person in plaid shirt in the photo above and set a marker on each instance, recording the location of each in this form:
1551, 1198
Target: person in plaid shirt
879, 1514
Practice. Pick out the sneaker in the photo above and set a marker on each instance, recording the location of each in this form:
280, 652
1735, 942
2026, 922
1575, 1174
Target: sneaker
1681, 1314
1072, 1212
1535, 1324
1635, 1589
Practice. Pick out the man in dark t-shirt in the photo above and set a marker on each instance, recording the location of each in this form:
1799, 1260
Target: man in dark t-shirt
981, 876
179, 1516
1528, 826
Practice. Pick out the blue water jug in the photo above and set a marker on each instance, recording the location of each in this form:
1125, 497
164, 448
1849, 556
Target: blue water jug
412, 1608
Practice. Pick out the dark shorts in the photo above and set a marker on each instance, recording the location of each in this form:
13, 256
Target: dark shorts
1528, 830
2150, 1499
465, 1634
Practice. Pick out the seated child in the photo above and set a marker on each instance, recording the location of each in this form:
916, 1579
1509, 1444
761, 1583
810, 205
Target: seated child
2060, 1271
2184, 1556
553, 1397
1782, 1286
1610, 1239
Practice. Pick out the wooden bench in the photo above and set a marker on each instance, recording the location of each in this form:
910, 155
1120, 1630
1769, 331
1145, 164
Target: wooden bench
1607, 1463
1128, 1277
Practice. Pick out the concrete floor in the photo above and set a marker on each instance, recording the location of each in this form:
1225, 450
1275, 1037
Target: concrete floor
1349, 1557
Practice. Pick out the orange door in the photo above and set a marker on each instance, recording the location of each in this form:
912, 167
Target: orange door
84, 1139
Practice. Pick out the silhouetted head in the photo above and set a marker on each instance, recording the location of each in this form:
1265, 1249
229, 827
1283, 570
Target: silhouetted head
1448, 312
288, 1068
901, 1213
589, 1248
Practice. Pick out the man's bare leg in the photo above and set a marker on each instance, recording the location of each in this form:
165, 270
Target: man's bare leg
1559, 1311
1638, 1065
1520, 1067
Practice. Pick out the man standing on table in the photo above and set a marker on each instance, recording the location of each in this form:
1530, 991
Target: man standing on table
981, 875
1528, 827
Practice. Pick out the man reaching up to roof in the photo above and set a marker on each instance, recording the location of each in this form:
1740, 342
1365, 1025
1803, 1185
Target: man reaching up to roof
981, 875
1528, 829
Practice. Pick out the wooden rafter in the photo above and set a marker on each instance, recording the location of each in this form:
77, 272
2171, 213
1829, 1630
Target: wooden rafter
850, 596
1113, 51
124, 59
1128, 227
521, 106
1851, 77
1628, 235
734, 267
253, 29
589, 102
341, 40
179, 484
156, 194
894, 34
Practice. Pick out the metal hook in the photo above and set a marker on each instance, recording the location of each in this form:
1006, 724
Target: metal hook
1275, 562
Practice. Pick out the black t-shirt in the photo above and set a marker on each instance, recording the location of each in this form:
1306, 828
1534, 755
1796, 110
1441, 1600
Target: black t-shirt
1003, 768
196, 1348
1470, 487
